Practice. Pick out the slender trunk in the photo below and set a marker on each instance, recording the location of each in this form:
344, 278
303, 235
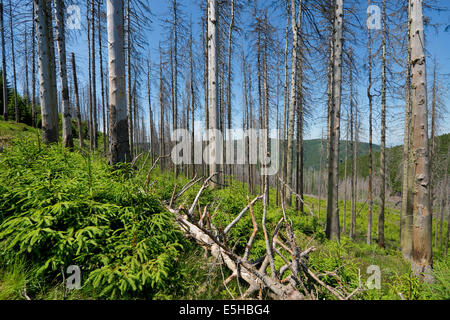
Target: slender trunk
130, 101
77, 101
320, 174
345, 170
175, 74
383, 136
286, 101
406, 217
100, 54
161, 115
67, 138
13, 56
332, 227
212, 85
295, 25
369, 95
5, 80
150, 113
191, 87
26, 57
432, 154
90, 101
33, 73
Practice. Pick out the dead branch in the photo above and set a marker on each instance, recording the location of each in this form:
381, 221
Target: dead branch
213, 240
241, 214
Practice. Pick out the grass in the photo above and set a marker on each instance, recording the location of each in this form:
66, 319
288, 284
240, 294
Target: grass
85, 193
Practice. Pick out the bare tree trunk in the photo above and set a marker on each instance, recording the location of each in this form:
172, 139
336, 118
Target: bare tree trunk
26, 57
295, 25
422, 227
175, 74
130, 101
94, 81
230, 33
406, 217
444, 202
150, 113
345, 167
67, 138
5, 80
161, 109
286, 101
119, 144
13, 56
77, 101
332, 228
33, 72
191, 87
212, 85
47, 72
383, 136
432, 153
205, 82
100, 53
369, 95
320, 174
90, 99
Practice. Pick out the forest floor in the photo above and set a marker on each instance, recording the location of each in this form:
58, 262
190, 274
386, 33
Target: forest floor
61, 208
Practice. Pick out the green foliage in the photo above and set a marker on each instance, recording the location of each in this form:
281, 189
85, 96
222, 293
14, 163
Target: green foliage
59, 208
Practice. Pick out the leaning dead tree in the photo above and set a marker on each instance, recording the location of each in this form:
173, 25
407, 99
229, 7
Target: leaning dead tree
261, 275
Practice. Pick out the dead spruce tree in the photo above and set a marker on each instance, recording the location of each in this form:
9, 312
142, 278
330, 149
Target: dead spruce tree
47, 72
119, 143
332, 224
67, 138
421, 263
214, 153
4, 79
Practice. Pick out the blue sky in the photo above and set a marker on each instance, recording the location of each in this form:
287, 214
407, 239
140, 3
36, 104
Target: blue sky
438, 46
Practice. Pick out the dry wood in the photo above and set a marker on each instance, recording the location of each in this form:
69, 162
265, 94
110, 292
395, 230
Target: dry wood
276, 284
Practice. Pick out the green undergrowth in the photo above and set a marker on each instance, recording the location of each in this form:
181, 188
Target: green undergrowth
61, 208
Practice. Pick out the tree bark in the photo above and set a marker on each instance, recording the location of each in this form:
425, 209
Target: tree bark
422, 223
4, 73
332, 230
212, 86
47, 72
383, 135
13, 56
77, 101
67, 137
100, 53
119, 144
295, 25
406, 216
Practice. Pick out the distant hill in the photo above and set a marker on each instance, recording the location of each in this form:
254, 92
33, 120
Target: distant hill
394, 158
312, 152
